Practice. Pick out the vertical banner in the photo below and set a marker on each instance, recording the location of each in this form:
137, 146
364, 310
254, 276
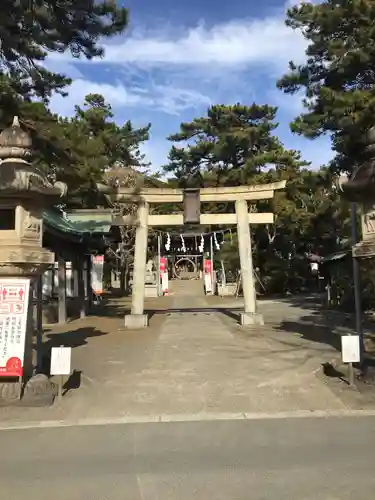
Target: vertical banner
163, 265
207, 270
14, 304
97, 267
164, 275
164, 283
207, 266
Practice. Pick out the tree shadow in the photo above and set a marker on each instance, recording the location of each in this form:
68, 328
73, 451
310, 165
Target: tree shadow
73, 339
311, 301
326, 326
233, 312
314, 329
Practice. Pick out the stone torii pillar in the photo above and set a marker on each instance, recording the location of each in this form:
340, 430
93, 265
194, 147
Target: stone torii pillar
250, 315
137, 318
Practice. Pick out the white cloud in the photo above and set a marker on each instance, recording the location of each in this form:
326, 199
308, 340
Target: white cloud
168, 99
194, 61
236, 43
179, 69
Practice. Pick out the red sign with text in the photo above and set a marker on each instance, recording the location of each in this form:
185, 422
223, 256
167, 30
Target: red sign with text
14, 300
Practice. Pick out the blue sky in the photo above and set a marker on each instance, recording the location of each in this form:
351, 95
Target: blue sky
178, 57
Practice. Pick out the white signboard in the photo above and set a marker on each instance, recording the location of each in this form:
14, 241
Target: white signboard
350, 349
97, 265
164, 282
208, 283
61, 360
14, 304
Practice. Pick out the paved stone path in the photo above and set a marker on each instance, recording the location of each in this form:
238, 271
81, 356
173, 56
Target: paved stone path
194, 360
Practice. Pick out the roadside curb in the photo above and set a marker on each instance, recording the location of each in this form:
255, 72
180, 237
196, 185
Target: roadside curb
196, 417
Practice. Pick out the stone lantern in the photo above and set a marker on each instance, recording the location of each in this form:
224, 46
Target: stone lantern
24, 193
360, 188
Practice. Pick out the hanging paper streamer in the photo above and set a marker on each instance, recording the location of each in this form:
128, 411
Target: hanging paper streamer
217, 246
168, 243
183, 247
201, 246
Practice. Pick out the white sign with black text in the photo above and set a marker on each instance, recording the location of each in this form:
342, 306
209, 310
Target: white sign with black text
350, 349
61, 360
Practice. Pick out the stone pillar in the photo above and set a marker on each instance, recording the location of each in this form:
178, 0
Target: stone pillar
24, 193
137, 318
81, 287
62, 313
39, 323
250, 316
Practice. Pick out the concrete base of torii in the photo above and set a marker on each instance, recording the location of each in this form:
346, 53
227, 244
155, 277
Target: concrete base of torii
136, 321
252, 319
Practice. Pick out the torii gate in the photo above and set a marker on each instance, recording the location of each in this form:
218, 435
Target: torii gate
192, 198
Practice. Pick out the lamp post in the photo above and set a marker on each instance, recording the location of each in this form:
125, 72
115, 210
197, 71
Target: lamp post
356, 278
360, 188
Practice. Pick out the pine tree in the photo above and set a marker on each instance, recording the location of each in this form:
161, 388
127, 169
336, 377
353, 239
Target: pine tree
30, 29
338, 77
233, 143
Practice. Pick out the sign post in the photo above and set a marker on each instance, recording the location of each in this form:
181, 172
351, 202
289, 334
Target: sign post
14, 304
351, 353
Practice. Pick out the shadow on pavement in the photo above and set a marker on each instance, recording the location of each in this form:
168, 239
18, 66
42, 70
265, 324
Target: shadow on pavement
327, 326
73, 338
121, 311
314, 328
73, 382
330, 371
303, 301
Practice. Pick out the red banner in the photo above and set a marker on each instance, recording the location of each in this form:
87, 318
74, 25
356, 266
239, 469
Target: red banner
207, 266
163, 265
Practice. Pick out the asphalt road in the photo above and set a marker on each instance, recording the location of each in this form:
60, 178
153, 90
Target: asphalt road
307, 458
